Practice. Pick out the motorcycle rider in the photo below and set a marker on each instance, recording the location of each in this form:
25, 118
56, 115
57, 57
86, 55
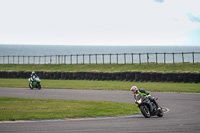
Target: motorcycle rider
136, 91
32, 78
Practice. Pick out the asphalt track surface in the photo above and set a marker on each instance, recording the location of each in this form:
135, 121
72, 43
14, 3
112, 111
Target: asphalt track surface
183, 115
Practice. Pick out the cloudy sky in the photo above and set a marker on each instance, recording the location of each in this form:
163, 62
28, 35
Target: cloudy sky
100, 22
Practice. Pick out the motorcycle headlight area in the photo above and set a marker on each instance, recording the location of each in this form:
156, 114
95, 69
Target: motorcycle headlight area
139, 101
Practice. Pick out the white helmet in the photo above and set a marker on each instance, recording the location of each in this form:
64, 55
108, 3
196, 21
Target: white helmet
33, 73
133, 88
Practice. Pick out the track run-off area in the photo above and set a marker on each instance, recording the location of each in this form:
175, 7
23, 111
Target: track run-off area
182, 115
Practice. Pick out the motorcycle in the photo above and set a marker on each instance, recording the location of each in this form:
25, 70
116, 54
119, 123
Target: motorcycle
147, 107
35, 83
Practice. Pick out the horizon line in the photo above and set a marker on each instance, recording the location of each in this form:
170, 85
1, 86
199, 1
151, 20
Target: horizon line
96, 45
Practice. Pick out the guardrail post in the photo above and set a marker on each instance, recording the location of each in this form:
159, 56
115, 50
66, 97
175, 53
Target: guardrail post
124, 58
28, 59
132, 57
96, 58
140, 58
70, 59
89, 58
110, 59
23, 59
164, 58
77, 59
117, 58
156, 58
64, 59
193, 57
103, 58
34, 60
18, 59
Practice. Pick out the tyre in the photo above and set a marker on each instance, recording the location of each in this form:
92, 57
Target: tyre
39, 86
145, 111
30, 86
160, 113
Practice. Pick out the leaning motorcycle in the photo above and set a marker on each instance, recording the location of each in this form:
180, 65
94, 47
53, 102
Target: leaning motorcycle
147, 107
35, 83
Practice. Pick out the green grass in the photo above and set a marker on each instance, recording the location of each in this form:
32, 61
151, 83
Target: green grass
26, 109
106, 85
144, 67
30, 109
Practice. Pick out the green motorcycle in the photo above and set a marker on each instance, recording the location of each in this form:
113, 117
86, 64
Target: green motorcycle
35, 83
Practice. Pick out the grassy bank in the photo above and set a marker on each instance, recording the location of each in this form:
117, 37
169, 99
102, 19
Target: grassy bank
30, 109
105, 85
151, 67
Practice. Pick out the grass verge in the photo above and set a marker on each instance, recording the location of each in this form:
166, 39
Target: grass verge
144, 67
30, 109
105, 85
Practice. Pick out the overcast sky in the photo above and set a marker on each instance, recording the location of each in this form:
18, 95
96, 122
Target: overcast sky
100, 22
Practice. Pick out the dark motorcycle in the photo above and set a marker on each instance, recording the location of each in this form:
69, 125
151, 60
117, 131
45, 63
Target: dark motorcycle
147, 107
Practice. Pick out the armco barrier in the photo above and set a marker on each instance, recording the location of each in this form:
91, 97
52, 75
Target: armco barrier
121, 76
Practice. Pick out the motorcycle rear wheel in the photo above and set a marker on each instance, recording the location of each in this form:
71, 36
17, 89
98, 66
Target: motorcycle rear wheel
145, 111
39, 86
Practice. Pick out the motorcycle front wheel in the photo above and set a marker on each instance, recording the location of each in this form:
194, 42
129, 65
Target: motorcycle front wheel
30, 86
160, 113
145, 111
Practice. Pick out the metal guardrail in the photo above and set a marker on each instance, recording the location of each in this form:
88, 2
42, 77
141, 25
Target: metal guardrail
119, 58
